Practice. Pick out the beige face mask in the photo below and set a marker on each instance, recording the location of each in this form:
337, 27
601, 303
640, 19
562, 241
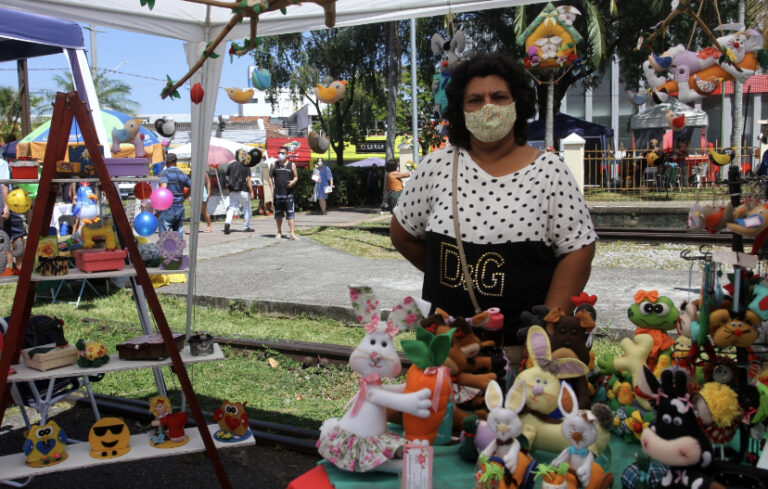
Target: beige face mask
491, 122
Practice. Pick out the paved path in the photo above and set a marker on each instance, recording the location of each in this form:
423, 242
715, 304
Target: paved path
293, 277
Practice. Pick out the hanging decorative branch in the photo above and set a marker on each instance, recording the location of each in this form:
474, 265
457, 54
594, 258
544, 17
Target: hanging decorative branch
684, 8
241, 10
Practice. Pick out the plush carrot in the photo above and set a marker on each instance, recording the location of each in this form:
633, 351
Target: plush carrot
427, 354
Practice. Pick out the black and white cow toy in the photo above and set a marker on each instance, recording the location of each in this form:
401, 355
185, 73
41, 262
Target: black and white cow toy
675, 438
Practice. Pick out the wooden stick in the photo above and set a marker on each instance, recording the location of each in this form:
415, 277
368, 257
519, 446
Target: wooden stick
214, 3
252, 40
206, 54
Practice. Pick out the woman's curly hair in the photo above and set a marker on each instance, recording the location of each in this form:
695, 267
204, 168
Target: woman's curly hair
482, 65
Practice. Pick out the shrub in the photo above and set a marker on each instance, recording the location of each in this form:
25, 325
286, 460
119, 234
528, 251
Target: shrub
350, 189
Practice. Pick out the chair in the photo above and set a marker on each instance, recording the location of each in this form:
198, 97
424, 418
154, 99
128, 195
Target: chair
672, 176
651, 177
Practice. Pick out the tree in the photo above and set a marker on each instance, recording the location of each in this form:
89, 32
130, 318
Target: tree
112, 93
354, 54
10, 113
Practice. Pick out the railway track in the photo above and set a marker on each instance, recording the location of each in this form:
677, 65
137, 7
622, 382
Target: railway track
647, 235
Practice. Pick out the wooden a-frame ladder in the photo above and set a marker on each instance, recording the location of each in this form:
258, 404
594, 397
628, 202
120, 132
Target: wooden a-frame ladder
65, 107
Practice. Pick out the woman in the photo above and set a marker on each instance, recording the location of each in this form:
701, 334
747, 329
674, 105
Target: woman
525, 231
206, 193
394, 181
324, 184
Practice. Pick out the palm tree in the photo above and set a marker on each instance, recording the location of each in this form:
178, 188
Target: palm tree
10, 112
113, 94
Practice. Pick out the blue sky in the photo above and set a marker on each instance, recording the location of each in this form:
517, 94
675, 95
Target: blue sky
144, 61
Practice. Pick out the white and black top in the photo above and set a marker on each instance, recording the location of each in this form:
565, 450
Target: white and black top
513, 229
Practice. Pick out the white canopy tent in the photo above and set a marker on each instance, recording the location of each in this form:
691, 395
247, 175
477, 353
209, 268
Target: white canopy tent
199, 24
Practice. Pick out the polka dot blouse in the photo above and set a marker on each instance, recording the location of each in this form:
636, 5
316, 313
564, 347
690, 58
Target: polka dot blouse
538, 203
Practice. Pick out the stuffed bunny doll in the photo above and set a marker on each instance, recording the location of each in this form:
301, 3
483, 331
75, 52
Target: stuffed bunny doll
579, 427
359, 441
504, 422
450, 52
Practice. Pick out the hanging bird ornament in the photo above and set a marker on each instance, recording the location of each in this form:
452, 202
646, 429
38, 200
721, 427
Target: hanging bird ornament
241, 10
331, 93
261, 79
240, 96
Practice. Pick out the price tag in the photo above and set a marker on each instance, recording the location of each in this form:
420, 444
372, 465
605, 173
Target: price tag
417, 467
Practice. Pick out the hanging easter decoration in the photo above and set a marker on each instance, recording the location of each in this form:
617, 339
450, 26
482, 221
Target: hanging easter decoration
165, 126
142, 190
239, 95
196, 93
161, 198
331, 93
19, 201
145, 223
241, 11
550, 39
550, 44
694, 74
317, 142
261, 79
451, 52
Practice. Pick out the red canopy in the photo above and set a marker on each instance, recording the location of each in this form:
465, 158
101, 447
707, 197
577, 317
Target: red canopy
301, 154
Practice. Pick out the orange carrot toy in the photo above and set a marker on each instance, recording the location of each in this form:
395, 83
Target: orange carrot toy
427, 353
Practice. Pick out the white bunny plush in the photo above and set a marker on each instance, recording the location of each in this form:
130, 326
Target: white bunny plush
504, 422
580, 429
359, 441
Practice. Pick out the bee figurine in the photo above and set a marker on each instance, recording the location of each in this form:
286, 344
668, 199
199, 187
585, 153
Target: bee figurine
45, 445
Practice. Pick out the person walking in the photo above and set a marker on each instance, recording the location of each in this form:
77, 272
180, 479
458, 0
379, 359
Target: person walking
394, 183
324, 185
179, 184
240, 190
204, 207
282, 178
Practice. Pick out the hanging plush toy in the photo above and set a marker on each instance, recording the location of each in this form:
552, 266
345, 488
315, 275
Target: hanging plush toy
240, 96
331, 93
261, 79
196, 93
698, 74
550, 39
451, 53
317, 142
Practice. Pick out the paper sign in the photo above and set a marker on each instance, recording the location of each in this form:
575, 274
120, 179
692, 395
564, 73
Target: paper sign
417, 467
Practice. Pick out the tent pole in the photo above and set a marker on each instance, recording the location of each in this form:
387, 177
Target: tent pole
414, 96
21, 68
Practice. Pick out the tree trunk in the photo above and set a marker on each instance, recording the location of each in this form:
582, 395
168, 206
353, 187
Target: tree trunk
339, 148
738, 108
549, 134
392, 76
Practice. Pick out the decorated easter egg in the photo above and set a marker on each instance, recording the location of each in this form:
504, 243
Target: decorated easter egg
19, 201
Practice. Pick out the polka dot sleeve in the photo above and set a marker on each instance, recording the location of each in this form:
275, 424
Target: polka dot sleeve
414, 206
570, 225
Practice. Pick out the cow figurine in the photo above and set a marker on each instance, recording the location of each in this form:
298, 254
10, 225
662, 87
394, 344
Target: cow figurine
675, 438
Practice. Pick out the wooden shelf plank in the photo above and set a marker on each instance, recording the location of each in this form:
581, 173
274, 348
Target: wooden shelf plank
75, 274
13, 466
78, 180
115, 364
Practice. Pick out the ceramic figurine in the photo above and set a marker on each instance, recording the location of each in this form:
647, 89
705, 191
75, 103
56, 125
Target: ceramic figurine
45, 445
109, 438
233, 422
91, 354
170, 425
171, 246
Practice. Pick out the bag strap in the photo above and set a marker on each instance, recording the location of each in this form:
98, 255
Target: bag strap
470, 286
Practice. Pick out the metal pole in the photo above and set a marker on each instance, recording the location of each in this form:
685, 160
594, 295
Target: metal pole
23, 75
414, 96
94, 64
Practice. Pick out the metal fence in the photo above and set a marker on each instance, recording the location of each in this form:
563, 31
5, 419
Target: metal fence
632, 173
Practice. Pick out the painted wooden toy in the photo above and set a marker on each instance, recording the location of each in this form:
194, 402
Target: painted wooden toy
233, 421
45, 445
109, 438
170, 425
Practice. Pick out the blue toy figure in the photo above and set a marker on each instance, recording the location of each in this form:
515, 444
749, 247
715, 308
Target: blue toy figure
86, 208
